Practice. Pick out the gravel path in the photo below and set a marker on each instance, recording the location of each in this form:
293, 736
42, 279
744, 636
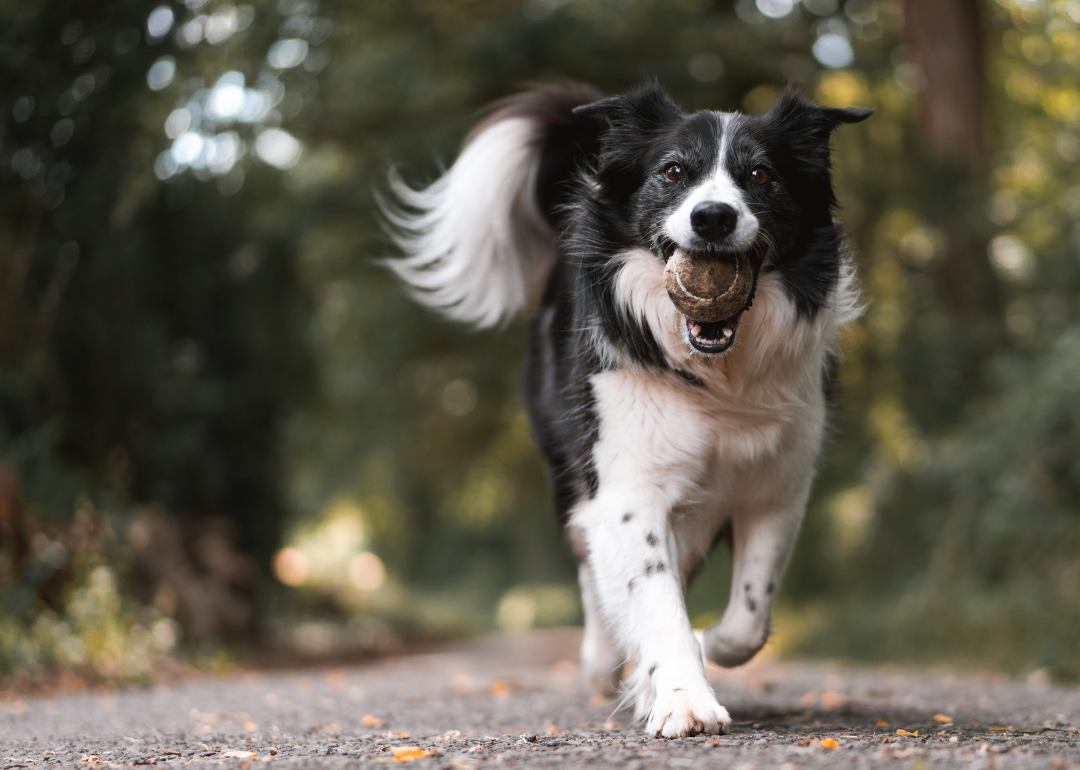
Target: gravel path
516, 700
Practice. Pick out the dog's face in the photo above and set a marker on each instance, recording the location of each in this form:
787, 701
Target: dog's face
717, 187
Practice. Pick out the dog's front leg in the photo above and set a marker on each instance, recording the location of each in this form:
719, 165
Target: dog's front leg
647, 460
635, 573
762, 540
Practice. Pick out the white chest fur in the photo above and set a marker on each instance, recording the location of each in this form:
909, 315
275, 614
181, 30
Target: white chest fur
756, 399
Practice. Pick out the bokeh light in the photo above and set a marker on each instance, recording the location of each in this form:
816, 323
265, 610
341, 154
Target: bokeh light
290, 566
159, 22
285, 54
705, 67
161, 73
833, 51
278, 148
366, 571
775, 9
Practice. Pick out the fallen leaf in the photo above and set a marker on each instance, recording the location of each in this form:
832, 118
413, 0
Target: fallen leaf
462, 683
552, 729
238, 755
831, 699
1001, 729
882, 723
450, 735
403, 735
612, 725
408, 753
829, 743
370, 721
335, 679
597, 700
942, 719
809, 700
500, 689
907, 734
714, 742
250, 726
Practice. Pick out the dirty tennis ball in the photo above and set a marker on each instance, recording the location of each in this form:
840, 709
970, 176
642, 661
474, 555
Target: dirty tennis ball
708, 287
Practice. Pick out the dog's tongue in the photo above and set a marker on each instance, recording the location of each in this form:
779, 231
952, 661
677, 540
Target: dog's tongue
708, 287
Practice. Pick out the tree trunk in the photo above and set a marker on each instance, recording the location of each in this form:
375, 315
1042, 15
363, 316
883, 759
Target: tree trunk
945, 37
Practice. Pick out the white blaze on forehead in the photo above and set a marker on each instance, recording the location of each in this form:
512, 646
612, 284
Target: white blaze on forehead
715, 187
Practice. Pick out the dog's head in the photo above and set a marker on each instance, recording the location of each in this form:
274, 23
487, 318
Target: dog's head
716, 195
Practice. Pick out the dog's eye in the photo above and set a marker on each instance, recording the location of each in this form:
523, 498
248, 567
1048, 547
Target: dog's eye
759, 176
673, 172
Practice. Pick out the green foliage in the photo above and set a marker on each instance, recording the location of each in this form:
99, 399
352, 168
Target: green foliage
70, 609
217, 339
142, 359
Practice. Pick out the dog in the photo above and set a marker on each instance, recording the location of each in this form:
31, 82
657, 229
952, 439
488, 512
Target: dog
690, 280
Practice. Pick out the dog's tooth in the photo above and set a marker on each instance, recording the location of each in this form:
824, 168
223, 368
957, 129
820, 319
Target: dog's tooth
696, 330
728, 331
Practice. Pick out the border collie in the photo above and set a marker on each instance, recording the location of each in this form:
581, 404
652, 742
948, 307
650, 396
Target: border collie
664, 429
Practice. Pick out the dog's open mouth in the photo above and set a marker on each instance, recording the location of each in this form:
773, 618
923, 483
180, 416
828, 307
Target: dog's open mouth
711, 290
711, 337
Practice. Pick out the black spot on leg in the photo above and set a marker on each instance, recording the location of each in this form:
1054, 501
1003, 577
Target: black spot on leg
677, 689
653, 568
770, 588
652, 669
747, 588
751, 604
626, 517
651, 539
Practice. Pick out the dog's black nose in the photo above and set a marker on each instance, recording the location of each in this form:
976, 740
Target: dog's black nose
713, 221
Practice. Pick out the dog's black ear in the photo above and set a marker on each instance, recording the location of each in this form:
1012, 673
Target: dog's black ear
796, 116
799, 131
641, 112
637, 120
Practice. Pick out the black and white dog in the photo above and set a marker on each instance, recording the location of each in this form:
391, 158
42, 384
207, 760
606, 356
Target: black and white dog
662, 433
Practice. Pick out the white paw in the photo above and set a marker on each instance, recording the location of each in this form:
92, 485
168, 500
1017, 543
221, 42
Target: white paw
680, 713
730, 647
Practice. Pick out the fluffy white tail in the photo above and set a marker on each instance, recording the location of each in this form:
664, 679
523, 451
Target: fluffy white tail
477, 246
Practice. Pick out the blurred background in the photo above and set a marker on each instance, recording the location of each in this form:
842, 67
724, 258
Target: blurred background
225, 433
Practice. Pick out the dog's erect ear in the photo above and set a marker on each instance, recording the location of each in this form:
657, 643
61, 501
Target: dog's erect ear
799, 131
639, 113
797, 117
637, 120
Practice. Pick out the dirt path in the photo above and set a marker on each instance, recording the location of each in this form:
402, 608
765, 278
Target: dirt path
517, 701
